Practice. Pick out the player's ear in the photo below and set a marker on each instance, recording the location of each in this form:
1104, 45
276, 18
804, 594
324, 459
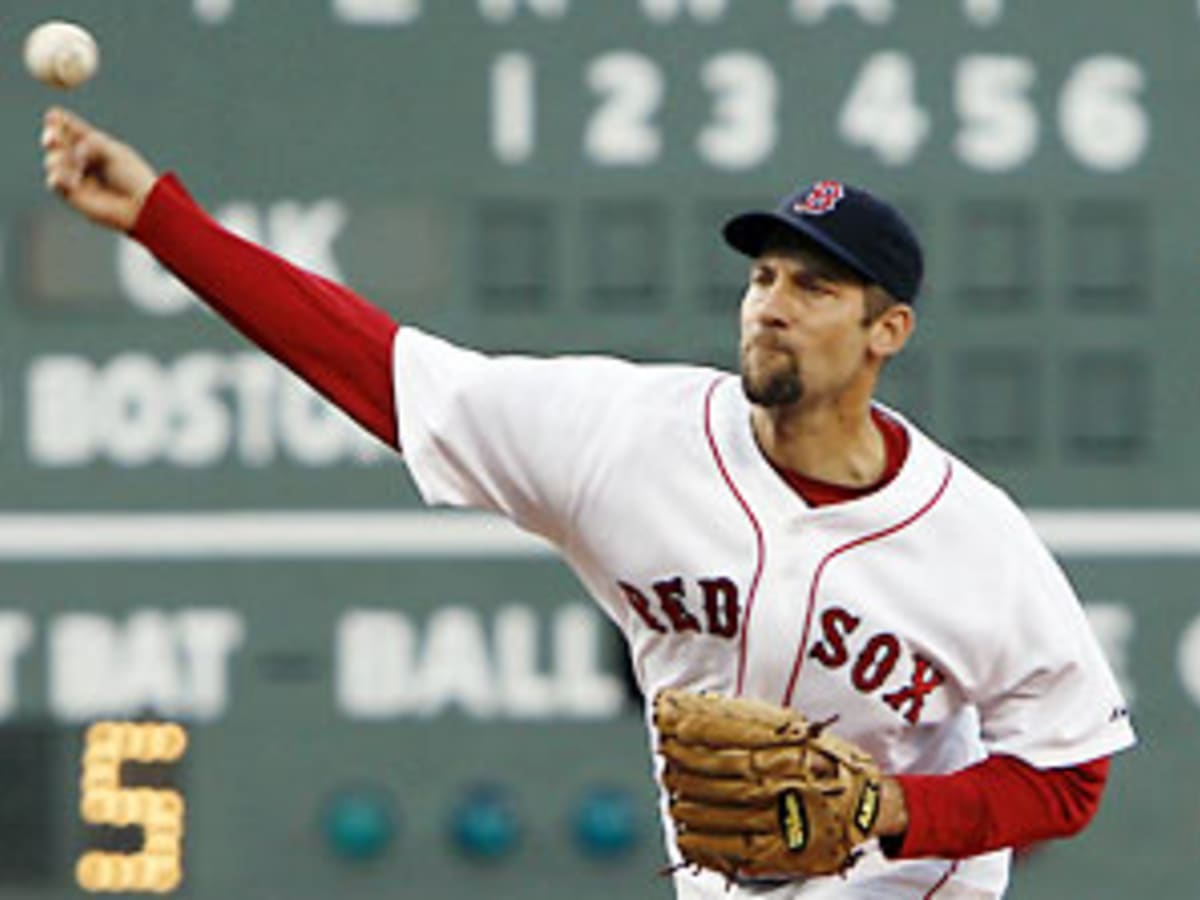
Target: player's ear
891, 330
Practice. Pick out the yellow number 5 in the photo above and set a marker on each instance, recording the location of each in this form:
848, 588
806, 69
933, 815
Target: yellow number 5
157, 867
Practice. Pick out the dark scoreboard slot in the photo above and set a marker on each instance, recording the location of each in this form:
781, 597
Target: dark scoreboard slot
29, 755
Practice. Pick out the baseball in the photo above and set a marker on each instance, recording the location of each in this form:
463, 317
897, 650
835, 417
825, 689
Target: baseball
61, 54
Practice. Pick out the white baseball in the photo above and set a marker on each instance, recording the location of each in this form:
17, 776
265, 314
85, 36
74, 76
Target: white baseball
61, 54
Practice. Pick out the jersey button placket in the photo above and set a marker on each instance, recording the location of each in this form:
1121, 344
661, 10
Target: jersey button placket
776, 621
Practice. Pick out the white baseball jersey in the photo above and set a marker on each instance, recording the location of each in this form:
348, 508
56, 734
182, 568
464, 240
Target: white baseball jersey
926, 615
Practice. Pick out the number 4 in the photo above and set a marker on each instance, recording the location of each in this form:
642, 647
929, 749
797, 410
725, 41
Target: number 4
156, 868
881, 111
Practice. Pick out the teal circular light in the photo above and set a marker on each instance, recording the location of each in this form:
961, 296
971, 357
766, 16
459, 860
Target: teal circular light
359, 823
605, 822
484, 824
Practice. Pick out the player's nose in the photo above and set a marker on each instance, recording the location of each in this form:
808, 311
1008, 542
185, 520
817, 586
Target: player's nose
768, 307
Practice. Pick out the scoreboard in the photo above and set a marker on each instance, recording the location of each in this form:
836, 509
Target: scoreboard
355, 694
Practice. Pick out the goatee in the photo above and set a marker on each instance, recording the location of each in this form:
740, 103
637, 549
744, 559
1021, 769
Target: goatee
778, 388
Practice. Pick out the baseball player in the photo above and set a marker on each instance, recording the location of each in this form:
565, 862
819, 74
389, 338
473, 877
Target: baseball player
777, 535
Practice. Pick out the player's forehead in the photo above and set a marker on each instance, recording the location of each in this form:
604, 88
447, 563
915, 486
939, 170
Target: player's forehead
785, 244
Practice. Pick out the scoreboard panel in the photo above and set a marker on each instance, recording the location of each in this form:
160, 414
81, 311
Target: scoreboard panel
189, 535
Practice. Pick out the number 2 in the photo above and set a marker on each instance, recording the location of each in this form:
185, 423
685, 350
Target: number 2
621, 132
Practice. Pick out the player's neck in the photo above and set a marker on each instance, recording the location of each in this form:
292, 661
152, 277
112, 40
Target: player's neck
836, 443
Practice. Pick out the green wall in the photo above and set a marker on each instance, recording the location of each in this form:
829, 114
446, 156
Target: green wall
548, 175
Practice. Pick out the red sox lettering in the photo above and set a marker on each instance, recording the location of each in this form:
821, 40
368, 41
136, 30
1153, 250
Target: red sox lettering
874, 660
870, 660
668, 611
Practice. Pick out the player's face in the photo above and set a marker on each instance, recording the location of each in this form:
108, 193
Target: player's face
804, 331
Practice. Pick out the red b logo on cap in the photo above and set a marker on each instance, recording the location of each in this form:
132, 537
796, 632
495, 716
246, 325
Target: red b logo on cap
821, 198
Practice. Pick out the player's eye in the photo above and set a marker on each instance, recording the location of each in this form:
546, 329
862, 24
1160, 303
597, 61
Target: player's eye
811, 284
762, 275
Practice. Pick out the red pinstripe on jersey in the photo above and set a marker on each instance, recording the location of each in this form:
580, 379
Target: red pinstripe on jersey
845, 548
759, 540
943, 881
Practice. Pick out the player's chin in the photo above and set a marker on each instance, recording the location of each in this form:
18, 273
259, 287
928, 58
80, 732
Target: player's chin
770, 385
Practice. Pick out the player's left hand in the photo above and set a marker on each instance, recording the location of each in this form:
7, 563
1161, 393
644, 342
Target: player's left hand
756, 790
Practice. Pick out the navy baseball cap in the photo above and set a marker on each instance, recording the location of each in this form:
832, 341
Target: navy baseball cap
850, 224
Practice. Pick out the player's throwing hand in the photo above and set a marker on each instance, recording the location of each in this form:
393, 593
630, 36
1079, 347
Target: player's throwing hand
98, 175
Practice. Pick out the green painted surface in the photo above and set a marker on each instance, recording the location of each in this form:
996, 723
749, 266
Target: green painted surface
1046, 162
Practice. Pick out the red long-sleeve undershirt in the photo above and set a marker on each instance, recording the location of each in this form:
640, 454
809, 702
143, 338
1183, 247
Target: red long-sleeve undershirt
342, 345
325, 333
999, 802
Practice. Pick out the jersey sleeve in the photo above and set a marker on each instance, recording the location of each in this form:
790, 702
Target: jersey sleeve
1052, 700
516, 435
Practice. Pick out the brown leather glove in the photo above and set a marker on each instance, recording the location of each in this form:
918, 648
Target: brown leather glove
757, 790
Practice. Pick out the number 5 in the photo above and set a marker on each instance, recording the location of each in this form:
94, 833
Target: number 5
1000, 125
157, 867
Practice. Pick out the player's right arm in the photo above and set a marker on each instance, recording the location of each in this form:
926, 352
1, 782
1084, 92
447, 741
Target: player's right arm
327, 334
